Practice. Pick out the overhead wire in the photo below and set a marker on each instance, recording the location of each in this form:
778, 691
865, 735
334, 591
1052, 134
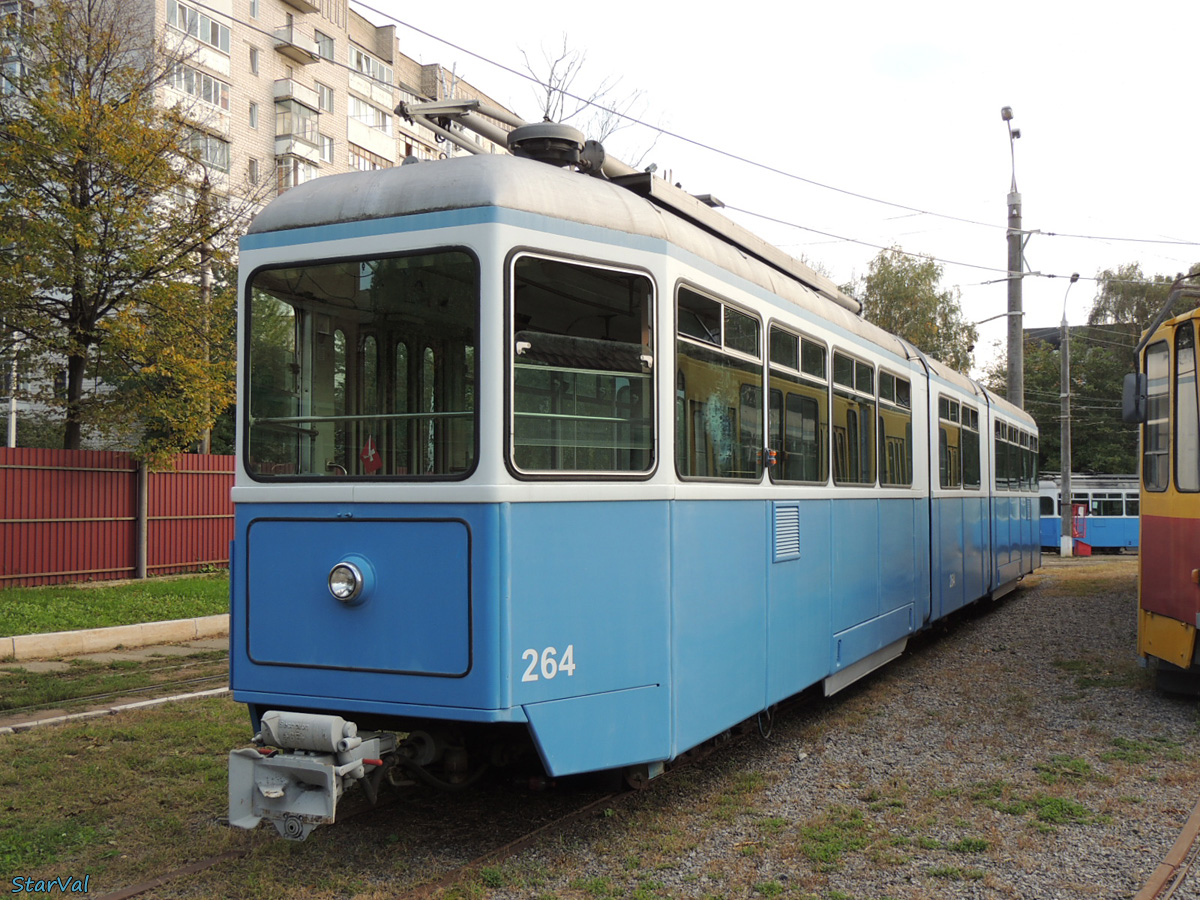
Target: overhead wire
737, 157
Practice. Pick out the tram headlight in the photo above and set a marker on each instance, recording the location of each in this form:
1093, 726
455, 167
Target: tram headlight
346, 582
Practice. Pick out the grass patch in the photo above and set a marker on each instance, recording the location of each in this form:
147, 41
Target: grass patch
1137, 752
839, 832
1064, 768
1096, 673
72, 607
85, 678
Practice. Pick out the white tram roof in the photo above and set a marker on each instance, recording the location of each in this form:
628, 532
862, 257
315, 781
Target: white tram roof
527, 185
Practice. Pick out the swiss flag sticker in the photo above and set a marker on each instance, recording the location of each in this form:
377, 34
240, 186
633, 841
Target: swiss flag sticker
370, 457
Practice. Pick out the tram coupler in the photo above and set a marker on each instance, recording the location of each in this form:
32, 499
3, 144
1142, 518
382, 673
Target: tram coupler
301, 766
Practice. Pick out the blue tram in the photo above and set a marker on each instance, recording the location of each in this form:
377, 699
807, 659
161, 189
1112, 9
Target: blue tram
532, 460
1108, 511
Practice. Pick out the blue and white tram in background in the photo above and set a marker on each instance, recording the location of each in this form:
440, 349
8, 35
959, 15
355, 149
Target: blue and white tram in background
1108, 506
532, 460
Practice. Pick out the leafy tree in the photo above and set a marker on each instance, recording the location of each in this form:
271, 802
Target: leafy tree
901, 293
105, 211
1102, 353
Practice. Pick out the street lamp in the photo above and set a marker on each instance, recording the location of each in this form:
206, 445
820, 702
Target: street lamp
1066, 545
1016, 344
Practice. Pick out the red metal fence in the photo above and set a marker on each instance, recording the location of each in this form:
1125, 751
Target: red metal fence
77, 515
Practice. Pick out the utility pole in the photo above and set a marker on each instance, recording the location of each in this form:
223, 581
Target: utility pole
1066, 546
1016, 321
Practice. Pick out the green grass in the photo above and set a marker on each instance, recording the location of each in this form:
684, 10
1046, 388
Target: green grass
72, 607
21, 689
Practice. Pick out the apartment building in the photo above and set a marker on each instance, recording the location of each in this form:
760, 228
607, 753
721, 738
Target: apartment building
289, 90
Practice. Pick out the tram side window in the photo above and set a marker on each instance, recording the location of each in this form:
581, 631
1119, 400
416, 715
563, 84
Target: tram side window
853, 421
1046, 505
949, 443
322, 372
1008, 458
718, 407
582, 360
798, 411
1156, 435
1108, 505
895, 431
1131, 504
1187, 428
972, 477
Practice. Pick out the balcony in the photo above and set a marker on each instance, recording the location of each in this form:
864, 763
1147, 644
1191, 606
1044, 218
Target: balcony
297, 146
295, 46
303, 5
289, 89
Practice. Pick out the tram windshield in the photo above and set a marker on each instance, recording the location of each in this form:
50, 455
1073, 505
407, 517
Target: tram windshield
363, 368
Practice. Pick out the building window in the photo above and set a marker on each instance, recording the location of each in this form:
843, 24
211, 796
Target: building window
10, 73
324, 97
254, 9
324, 45
296, 120
291, 171
370, 66
371, 116
200, 26
253, 115
252, 171
366, 161
326, 148
201, 86
254, 60
210, 150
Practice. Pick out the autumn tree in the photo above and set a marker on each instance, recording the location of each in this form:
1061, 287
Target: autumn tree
109, 218
901, 293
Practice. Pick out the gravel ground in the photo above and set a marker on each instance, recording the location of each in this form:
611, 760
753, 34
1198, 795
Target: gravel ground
1019, 752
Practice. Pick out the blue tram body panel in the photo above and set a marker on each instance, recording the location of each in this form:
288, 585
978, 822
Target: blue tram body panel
799, 600
718, 616
594, 578
407, 648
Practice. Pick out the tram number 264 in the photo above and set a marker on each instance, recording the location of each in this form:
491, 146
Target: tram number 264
548, 662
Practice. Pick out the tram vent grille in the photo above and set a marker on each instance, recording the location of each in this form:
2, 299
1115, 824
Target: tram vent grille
787, 531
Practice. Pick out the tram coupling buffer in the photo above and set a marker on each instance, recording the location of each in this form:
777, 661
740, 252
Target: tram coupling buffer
300, 767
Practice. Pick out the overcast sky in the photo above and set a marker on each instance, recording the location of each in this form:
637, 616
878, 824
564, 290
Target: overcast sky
898, 102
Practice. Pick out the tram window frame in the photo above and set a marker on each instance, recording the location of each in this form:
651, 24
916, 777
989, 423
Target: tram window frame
971, 449
798, 407
1156, 434
949, 443
895, 450
855, 454
1002, 476
1185, 425
712, 440
580, 404
335, 308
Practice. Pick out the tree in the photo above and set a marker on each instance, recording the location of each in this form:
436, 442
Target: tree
600, 114
1102, 353
105, 211
901, 294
